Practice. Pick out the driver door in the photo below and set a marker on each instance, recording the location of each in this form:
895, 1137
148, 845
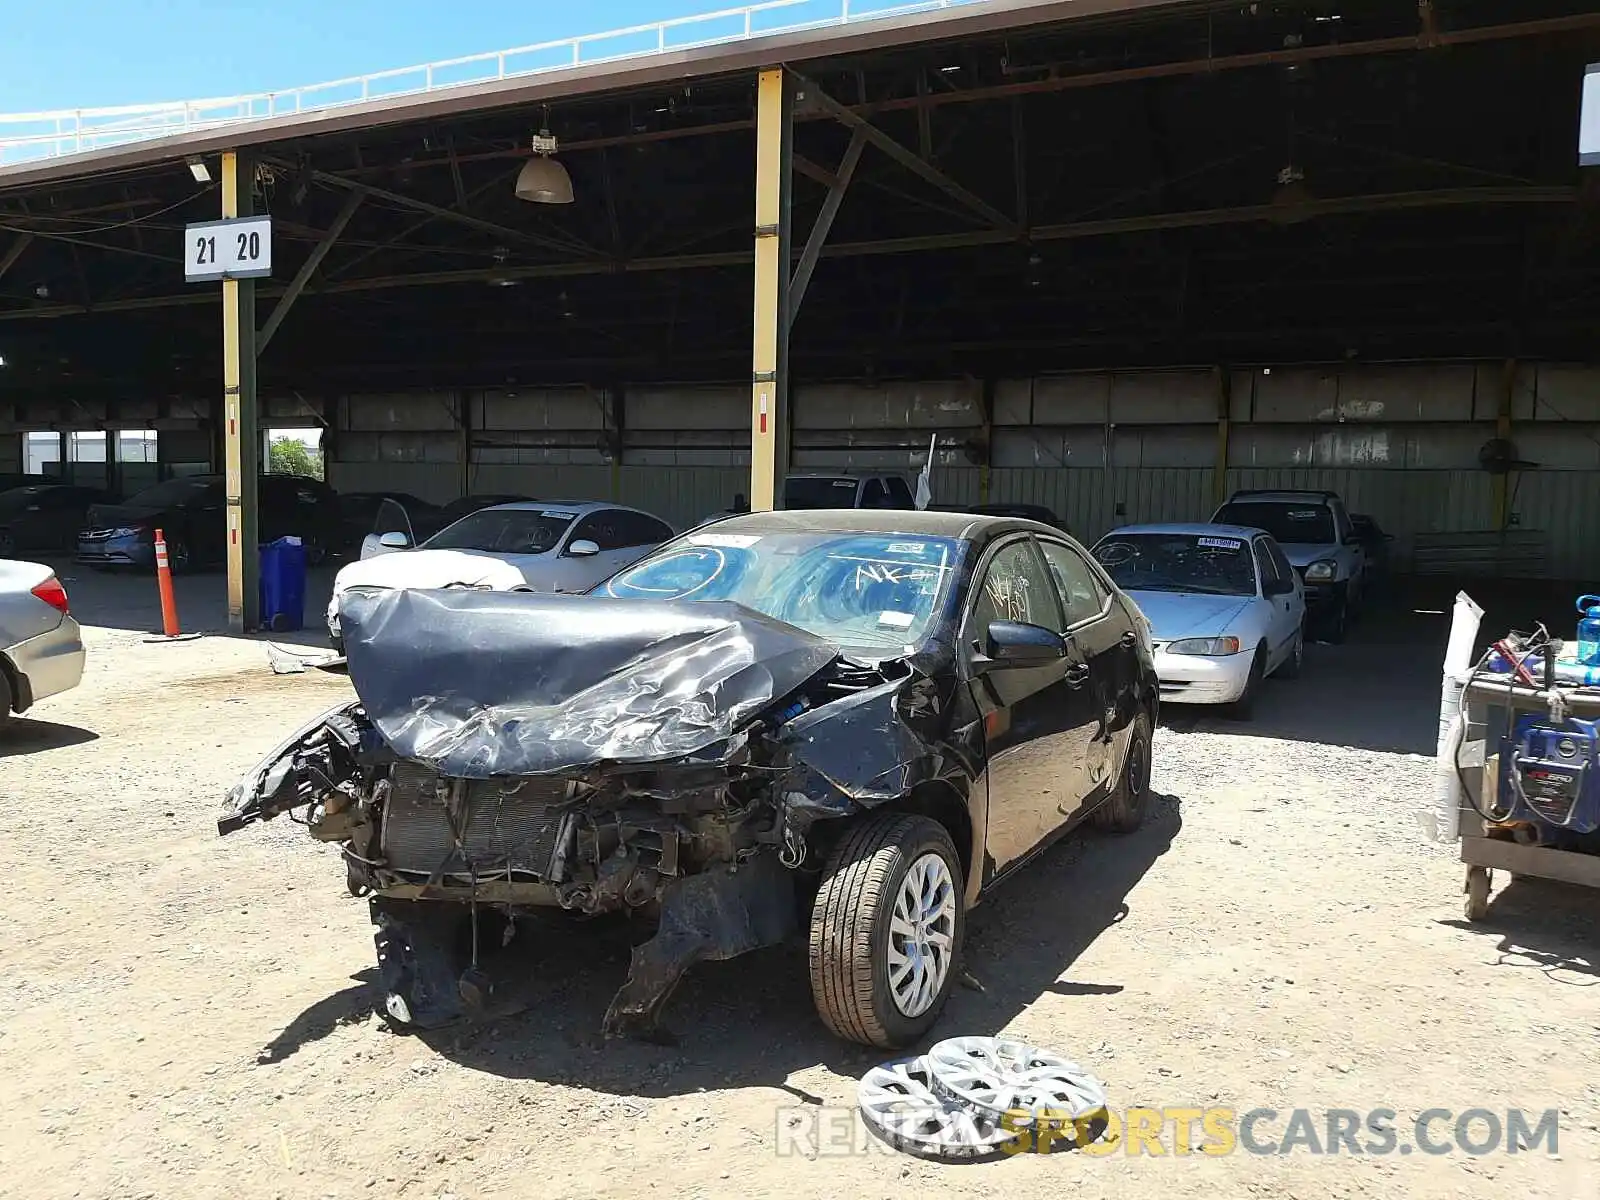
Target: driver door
1033, 716
391, 517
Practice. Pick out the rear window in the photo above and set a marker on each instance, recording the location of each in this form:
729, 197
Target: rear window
819, 493
1289, 523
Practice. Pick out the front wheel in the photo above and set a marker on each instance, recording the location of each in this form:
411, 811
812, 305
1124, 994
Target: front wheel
1244, 707
886, 930
1336, 622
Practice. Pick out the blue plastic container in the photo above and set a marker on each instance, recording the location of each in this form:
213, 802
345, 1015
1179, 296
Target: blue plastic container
283, 585
1589, 631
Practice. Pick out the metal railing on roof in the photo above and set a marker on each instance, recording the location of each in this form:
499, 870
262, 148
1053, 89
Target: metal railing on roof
26, 137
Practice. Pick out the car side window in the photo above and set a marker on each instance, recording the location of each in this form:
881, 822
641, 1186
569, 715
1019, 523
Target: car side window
1264, 563
1279, 558
899, 493
873, 495
1082, 595
601, 528
646, 531
1014, 587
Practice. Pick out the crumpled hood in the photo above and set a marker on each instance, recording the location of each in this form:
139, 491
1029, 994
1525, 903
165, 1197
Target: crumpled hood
429, 569
479, 684
1175, 615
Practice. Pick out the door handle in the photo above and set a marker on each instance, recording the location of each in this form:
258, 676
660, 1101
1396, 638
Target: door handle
1130, 638
1077, 676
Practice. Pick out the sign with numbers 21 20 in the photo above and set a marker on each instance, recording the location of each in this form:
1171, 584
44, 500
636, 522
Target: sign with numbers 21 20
236, 249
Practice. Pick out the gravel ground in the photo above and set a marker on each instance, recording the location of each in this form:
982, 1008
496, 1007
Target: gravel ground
188, 1016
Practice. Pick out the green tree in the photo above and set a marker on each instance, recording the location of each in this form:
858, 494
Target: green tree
290, 456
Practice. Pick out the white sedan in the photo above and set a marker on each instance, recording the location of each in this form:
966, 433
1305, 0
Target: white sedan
1226, 608
543, 545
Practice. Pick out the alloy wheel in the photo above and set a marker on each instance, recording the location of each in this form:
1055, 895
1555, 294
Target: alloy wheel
922, 935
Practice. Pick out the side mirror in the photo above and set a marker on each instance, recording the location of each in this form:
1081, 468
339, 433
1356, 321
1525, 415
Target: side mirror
582, 548
1015, 644
394, 541
1277, 587
1352, 539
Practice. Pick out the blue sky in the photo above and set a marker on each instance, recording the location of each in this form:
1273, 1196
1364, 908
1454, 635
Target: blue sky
89, 53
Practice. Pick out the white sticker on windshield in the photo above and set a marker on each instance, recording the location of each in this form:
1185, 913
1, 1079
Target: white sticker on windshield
1304, 514
897, 620
550, 512
1221, 544
907, 548
734, 541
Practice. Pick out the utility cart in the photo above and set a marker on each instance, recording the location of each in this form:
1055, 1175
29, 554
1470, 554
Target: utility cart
1517, 846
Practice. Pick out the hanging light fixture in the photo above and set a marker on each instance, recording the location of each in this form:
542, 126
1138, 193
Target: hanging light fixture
542, 179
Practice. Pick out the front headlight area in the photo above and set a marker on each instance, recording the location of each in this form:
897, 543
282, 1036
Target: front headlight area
1217, 647
1322, 571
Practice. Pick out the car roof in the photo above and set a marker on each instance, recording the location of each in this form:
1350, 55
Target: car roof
1191, 528
578, 508
1287, 496
963, 526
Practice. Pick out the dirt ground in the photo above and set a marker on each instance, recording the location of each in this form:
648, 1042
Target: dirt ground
185, 1015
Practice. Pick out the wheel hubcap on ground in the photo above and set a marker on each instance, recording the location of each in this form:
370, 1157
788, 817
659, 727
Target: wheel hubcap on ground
922, 935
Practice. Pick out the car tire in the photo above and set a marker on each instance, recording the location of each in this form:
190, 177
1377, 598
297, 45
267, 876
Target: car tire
8, 544
1291, 667
179, 559
1336, 624
1124, 811
868, 887
1244, 707
6, 699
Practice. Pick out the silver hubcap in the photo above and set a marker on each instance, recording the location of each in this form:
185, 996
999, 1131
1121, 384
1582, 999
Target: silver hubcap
922, 935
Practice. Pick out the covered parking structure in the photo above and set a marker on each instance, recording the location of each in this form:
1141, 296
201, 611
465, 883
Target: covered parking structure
1120, 256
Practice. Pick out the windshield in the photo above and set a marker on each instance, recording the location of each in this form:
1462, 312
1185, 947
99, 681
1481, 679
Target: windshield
1287, 523
819, 493
172, 492
1179, 562
877, 592
503, 531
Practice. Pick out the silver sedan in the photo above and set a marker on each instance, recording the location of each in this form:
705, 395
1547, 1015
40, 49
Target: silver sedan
41, 647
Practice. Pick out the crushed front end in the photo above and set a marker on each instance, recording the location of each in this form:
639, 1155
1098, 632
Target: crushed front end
604, 757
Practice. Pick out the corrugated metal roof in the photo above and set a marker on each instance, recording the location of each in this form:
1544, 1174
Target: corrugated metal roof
988, 17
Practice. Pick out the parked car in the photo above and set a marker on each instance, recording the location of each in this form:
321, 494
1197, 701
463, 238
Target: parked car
41, 648
1376, 543
846, 491
358, 511
1316, 533
543, 545
854, 723
191, 513
1022, 512
44, 518
1225, 606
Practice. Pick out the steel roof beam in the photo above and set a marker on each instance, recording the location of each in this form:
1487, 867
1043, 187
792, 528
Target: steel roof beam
908, 159
307, 269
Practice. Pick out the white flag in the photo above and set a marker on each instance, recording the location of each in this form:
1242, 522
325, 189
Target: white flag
925, 480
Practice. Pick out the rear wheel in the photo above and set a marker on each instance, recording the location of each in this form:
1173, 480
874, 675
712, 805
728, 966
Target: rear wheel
6, 699
886, 930
1124, 812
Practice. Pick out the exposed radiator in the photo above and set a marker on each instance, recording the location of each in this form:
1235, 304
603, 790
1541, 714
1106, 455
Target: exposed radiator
511, 824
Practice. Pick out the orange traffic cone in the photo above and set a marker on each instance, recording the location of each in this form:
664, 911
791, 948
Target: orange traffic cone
169, 603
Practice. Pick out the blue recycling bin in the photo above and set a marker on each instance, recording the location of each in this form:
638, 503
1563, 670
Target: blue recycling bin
283, 585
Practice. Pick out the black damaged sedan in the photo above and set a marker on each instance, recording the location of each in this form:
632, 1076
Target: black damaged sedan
844, 724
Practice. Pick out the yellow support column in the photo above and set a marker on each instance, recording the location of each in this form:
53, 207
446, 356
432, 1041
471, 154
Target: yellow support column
241, 438
769, 410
